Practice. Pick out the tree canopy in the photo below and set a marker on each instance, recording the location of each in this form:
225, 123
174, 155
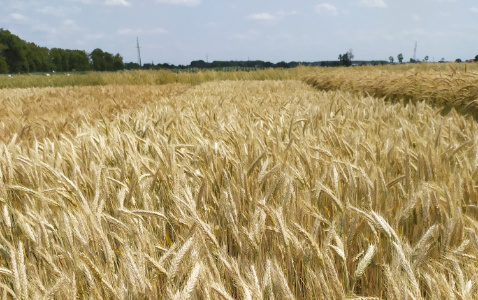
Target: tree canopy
400, 57
19, 56
346, 59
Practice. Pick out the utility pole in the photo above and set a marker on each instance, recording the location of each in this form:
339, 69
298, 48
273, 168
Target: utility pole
415, 52
139, 51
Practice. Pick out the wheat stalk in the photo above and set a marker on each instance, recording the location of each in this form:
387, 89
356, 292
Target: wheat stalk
364, 262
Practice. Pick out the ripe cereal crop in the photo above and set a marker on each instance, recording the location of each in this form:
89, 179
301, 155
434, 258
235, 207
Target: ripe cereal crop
235, 189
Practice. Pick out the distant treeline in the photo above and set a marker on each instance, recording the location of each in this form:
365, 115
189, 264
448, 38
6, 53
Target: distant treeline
244, 65
19, 56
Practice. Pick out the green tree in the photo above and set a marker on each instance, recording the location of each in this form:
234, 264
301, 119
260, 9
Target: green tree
282, 64
198, 64
3, 66
3, 62
78, 60
3, 47
38, 58
476, 58
104, 61
346, 59
57, 59
391, 59
118, 62
16, 52
136, 66
109, 61
97, 60
400, 58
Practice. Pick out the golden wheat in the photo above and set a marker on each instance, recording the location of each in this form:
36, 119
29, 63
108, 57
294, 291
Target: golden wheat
240, 190
446, 89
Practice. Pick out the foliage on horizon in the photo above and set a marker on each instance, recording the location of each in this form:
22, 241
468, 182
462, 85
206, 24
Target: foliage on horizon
19, 56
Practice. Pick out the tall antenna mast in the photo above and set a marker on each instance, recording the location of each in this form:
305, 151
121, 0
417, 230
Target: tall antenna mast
139, 51
415, 52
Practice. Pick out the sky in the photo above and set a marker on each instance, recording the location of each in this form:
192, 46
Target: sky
180, 31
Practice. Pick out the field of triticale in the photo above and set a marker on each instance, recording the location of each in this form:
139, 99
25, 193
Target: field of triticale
240, 189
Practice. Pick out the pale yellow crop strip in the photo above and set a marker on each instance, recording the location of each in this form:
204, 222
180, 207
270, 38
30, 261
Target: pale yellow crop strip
241, 190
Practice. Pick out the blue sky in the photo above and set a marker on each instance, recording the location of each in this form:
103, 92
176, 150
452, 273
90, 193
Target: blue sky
179, 31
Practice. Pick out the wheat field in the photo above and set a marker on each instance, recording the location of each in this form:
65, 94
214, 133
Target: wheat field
239, 189
450, 87
47, 112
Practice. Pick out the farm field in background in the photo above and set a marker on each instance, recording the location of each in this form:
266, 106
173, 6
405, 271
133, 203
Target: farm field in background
237, 188
441, 85
141, 77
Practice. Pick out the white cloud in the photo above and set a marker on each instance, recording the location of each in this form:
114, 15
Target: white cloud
181, 2
211, 24
45, 28
18, 5
18, 17
136, 32
271, 16
262, 17
285, 36
69, 22
117, 3
95, 36
286, 13
157, 30
474, 9
50, 10
373, 3
374, 35
82, 1
413, 32
327, 9
249, 35
58, 11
